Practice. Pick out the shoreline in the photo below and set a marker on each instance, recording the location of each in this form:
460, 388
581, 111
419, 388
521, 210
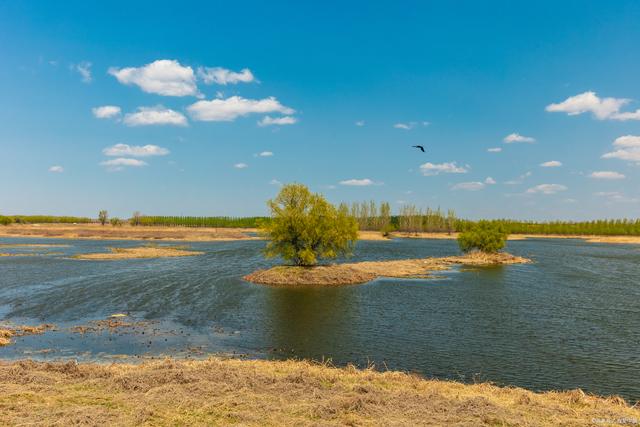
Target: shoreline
218, 391
204, 234
366, 271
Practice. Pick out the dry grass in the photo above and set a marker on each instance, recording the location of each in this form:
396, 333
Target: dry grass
275, 393
140, 252
125, 232
362, 272
8, 331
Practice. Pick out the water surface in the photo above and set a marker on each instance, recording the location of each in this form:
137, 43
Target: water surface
571, 319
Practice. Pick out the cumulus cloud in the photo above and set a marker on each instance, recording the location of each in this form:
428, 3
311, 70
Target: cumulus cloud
547, 189
430, 169
600, 108
266, 154
494, 150
360, 123
122, 162
357, 182
163, 77
516, 137
106, 112
606, 175
489, 181
275, 182
120, 150
222, 76
158, 115
226, 110
628, 148
84, 69
56, 169
269, 121
469, 186
241, 165
551, 164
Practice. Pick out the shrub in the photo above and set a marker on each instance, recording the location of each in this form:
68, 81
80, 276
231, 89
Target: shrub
484, 236
305, 227
387, 229
116, 222
5, 220
103, 216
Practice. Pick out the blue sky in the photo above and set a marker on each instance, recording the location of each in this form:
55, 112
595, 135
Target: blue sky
337, 93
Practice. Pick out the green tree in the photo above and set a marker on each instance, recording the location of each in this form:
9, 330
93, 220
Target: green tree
485, 236
305, 228
103, 216
136, 218
5, 220
116, 222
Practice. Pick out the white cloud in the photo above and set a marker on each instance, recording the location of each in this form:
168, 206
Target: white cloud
627, 141
266, 154
430, 169
225, 110
616, 196
520, 179
404, 126
357, 182
84, 68
551, 164
286, 120
489, 181
547, 189
157, 115
222, 76
601, 108
106, 111
360, 123
516, 137
241, 165
494, 150
163, 77
120, 150
607, 175
275, 182
628, 149
56, 169
468, 186
121, 162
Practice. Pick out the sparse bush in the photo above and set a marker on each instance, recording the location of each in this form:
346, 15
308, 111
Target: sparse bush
305, 227
387, 230
103, 217
116, 222
485, 236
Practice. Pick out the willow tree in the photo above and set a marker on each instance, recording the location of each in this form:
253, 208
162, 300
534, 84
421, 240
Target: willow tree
305, 228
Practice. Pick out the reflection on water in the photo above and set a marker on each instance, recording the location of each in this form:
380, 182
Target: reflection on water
571, 319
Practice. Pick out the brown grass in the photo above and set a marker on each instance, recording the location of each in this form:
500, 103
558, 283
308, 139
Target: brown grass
139, 253
7, 332
589, 239
125, 232
362, 272
275, 393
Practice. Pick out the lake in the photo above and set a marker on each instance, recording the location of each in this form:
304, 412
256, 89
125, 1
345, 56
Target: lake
571, 319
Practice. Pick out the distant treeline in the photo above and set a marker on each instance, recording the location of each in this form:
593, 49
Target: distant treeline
370, 216
43, 219
201, 221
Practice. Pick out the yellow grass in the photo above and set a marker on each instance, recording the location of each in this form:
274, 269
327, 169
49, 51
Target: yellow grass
361, 272
9, 331
139, 253
275, 393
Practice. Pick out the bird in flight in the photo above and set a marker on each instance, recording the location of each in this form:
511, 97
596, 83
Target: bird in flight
420, 147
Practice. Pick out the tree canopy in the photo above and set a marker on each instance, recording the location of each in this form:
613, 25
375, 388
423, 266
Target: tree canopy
306, 228
485, 236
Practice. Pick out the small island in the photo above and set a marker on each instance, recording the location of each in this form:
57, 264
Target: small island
140, 252
305, 228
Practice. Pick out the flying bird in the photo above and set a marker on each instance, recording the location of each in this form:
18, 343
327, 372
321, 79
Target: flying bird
420, 147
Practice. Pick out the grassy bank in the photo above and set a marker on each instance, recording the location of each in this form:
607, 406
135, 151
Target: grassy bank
237, 392
361, 272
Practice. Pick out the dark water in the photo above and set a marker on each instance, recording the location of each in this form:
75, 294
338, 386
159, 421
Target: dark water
570, 320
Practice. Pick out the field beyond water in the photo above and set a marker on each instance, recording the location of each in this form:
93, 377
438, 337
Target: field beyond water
96, 231
241, 392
